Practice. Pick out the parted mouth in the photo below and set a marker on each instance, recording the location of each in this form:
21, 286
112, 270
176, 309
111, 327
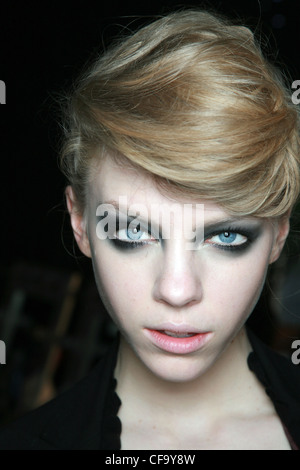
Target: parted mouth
187, 340
177, 330
175, 334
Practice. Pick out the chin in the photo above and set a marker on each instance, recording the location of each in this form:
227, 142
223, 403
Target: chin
178, 369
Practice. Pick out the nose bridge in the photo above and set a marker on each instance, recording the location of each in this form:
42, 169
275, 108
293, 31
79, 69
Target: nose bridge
178, 280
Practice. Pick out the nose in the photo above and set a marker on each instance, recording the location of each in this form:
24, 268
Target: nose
178, 280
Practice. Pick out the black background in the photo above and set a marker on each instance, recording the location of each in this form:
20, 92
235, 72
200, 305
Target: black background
43, 47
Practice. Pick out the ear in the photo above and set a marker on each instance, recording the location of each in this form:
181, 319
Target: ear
282, 229
77, 222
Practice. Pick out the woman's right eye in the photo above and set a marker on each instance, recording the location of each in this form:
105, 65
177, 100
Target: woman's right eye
134, 234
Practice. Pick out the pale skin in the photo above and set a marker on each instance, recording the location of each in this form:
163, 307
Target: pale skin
206, 399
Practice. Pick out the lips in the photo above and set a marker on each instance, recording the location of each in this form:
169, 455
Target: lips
177, 340
177, 335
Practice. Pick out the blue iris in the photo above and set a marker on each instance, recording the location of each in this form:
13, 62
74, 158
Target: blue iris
134, 233
227, 237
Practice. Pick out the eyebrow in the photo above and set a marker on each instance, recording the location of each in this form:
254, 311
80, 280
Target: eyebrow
111, 202
231, 222
209, 228
122, 210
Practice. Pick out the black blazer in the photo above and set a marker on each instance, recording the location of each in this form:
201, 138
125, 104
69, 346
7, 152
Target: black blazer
76, 418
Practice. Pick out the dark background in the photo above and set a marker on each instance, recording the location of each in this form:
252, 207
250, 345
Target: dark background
43, 46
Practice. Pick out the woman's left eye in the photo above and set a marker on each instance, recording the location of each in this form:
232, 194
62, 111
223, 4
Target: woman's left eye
228, 239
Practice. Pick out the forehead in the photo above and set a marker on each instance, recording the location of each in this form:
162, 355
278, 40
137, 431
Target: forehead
114, 178
115, 181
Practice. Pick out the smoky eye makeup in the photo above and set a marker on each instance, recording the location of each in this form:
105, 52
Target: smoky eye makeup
127, 232
133, 234
232, 238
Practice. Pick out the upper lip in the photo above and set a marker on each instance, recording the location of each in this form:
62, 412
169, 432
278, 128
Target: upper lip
181, 328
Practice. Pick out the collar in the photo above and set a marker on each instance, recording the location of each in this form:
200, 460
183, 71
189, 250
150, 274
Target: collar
65, 429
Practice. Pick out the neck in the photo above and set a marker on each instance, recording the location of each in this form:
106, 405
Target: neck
140, 388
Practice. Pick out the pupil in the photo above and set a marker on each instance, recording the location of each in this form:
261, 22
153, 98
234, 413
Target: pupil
228, 237
134, 233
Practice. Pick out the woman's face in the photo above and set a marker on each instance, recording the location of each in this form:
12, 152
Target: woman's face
178, 280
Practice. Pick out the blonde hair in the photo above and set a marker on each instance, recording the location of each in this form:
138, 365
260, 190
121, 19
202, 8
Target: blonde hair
190, 99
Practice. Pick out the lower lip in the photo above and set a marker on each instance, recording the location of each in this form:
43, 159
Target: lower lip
178, 345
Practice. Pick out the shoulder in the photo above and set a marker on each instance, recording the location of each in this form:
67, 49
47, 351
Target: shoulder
72, 420
281, 379
273, 368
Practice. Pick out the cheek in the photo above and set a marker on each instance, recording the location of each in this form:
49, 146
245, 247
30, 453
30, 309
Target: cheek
237, 287
122, 287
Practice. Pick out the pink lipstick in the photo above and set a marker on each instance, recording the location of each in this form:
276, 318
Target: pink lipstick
179, 340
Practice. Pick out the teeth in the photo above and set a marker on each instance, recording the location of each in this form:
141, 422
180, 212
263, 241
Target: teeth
178, 335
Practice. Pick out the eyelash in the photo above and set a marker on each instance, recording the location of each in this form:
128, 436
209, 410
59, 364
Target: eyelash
126, 244
249, 235
133, 244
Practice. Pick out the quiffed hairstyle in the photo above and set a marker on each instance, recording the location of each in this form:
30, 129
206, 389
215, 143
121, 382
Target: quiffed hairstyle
190, 99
